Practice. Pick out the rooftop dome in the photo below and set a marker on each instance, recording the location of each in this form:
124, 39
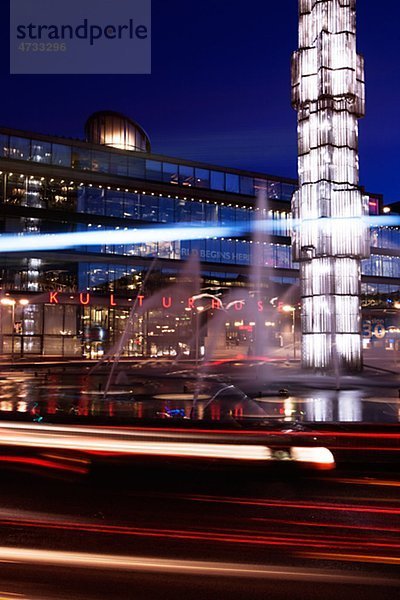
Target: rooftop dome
113, 129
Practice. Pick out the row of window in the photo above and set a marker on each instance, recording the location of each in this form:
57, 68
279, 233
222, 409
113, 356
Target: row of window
232, 252
103, 276
371, 289
23, 191
156, 209
385, 237
381, 266
239, 252
132, 165
40, 193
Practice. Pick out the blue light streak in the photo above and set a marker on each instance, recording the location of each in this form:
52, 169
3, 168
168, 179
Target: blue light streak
58, 241
179, 232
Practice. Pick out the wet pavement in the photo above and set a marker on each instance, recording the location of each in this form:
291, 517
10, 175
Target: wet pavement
224, 392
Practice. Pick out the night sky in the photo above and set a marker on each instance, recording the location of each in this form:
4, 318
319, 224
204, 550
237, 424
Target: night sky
220, 88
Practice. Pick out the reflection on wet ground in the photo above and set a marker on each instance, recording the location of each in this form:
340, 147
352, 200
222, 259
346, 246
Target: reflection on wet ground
75, 394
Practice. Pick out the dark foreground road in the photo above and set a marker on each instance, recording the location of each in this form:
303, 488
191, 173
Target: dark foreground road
168, 532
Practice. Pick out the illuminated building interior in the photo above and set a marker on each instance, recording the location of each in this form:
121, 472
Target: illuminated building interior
109, 128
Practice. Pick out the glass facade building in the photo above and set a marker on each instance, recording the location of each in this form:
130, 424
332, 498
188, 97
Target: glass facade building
53, 185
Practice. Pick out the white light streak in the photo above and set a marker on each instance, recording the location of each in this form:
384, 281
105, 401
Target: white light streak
153, 564
101, 443
321, 456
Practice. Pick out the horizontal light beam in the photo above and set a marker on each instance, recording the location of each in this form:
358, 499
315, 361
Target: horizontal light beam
182, 232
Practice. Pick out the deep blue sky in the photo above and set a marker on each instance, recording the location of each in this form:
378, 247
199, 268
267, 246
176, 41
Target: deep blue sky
220, 88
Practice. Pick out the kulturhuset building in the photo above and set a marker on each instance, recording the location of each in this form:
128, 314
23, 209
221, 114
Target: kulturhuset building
75, 303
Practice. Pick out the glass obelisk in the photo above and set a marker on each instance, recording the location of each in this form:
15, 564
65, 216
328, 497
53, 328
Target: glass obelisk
330, 236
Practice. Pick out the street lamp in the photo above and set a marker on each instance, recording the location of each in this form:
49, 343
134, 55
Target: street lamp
292, 309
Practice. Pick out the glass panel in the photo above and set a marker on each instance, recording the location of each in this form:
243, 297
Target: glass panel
100, 161
19, 148
242, 253
186, 175
70, 319
53, 319
182, 211
41, 152
273, 189
136, 168
92, 201
166, 250
61, 155
287, 191
198, 212
119, 164
72, 346
232, 183
149, 208
177, 250
213, 251
198, 248
242, 215
247, 186
150, 249
99, 275
4, 141
32, 319
52, 346
81, 159
228, 254
153, 170
132, 206
228, 215
166, 210
217, 180
202, 178
211, 213
32, 345
185, 250
170, 173
114, 204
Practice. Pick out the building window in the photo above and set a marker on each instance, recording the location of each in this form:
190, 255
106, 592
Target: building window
81, 159
100, 162
40, 152
217, 180
19, 148
61, 155
232, 183
170, 173
136, 168
247, 186
153, 170
186, 175
119, 164
202, 178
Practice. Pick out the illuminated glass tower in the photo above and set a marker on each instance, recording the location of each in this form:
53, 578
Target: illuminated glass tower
331, 238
